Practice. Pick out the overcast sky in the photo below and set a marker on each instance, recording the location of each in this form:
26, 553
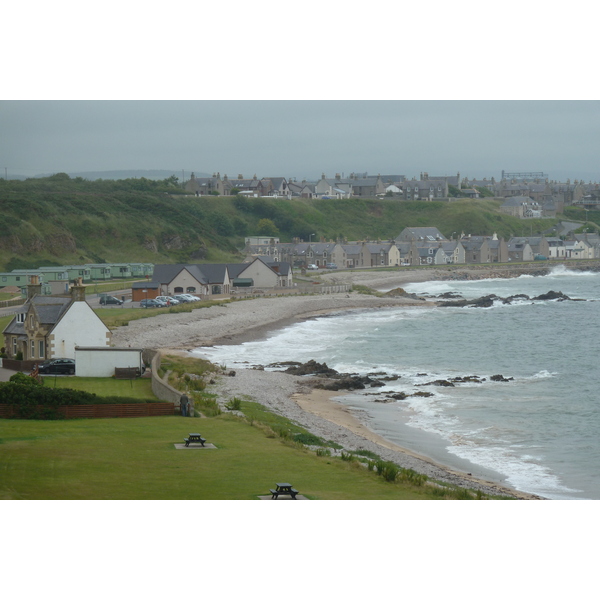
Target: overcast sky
270, 90
302, 138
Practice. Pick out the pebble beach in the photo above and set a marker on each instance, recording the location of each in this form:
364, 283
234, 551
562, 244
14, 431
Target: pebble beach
295, 397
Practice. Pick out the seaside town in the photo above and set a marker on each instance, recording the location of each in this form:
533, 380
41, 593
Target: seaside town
54, 329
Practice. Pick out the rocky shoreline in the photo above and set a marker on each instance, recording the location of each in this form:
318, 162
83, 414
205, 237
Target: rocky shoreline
307, 400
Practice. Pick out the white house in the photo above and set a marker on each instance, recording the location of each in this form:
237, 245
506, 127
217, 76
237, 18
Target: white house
51, 326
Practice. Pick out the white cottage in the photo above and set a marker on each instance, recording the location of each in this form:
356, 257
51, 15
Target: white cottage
51, 326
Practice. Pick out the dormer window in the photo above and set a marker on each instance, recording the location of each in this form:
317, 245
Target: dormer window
20, 317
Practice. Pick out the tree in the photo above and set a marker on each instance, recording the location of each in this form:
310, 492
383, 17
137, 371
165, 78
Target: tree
267, 227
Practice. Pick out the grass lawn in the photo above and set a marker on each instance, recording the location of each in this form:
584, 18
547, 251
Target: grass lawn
104, 386
136, 459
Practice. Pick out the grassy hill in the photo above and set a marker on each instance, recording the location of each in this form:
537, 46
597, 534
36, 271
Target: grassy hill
59, 220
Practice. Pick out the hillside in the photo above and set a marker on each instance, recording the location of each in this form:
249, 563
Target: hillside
59, 220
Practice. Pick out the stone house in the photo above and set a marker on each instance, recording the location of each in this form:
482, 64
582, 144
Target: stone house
431, 255
427, 188
302, 190
522, 206
538, 245
379, 254
52, 326
556, 247
477, 249
519, 250
277, 187
205, 186
261, 272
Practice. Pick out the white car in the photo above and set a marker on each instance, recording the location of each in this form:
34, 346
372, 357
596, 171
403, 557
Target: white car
168, 300
312, 268
191, 297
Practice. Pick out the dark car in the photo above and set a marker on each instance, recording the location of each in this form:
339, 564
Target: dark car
110, 300
151, 303
57, 366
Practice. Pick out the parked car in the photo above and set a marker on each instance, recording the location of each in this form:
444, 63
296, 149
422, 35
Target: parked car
151, 303
168, 300
181, 298
110, 300
57, 366
191, 297
312, 268
331, 266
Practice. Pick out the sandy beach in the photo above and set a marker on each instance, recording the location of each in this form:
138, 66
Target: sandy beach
291, 396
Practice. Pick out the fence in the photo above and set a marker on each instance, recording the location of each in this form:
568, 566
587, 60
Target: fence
7, 303
98, 411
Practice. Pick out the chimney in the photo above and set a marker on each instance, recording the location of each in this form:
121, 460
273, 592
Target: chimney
34, 287
78, 291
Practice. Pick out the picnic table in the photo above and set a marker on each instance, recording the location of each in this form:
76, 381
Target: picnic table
194, 438
283, 489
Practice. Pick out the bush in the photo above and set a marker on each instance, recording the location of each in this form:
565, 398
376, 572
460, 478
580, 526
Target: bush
209, 407
23, 379
234, 404
308, 439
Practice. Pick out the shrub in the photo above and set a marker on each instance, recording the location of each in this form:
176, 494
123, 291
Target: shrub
308, 439
209, 407
323, 452
234, 404
367, 454
411, 476
23, 379
390, 472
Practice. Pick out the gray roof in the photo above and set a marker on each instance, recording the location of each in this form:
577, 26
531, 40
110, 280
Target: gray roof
48, 310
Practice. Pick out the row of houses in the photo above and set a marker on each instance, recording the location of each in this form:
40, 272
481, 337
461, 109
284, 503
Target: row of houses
55, 280
426, 246
426, 187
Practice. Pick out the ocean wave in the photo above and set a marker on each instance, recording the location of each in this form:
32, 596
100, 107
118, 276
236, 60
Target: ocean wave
562, 271
523, 472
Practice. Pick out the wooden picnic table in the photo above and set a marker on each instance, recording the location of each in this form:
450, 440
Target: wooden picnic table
194, 438
283, 489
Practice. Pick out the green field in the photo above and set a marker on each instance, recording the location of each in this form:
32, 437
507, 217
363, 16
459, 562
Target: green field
136, 459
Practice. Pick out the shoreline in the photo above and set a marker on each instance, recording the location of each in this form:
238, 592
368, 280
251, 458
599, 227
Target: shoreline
294, 397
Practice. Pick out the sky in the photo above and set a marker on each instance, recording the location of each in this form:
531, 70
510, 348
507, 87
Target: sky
302, 138
267, 89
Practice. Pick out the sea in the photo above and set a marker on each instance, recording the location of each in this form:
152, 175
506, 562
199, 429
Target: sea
538, 432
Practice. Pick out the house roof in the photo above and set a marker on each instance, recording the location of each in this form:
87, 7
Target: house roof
48, 310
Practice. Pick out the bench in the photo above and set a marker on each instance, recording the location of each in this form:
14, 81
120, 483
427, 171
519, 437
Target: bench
194, 439
291, 492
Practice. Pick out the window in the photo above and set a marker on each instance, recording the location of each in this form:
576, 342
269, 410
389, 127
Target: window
31, 321
41, 349
178, 290
191, 290
32, 350
14, 340
20, 317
